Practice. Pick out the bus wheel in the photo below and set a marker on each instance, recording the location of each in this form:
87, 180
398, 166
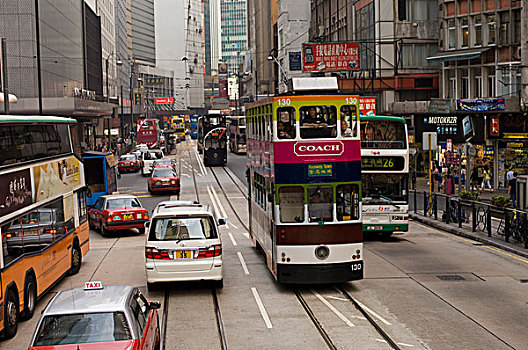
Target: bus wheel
76, 260
30, 298
10, 315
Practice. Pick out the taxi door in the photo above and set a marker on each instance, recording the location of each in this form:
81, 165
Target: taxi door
95, 214
148, 322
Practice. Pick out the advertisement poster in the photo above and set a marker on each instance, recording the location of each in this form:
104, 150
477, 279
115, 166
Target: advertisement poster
367, 106
295, 60
326, 57
489, 104
56, 178
15, 192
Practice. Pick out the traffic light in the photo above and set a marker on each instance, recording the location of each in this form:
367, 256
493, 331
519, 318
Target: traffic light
137, 98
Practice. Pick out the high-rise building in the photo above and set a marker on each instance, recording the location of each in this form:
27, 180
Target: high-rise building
233, 16
194, 50
143, 32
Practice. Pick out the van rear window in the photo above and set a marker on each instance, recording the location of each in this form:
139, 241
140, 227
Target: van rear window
182, 228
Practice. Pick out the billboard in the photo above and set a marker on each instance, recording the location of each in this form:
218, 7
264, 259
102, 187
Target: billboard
326, 57
163, 100
55, 178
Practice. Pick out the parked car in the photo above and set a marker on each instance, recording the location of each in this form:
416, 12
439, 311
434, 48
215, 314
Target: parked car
97, 317
183, 244
164, 179
118, 212
128, 162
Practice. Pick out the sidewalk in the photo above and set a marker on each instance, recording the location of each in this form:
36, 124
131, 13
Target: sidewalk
485, 195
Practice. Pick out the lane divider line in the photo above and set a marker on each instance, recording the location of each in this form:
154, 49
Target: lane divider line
217, 212
334, 310
232, 239
387, 323
261, 308
219, 202
243, 263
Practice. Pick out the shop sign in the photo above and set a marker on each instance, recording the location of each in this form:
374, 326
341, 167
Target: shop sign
439, 105
295, 60
367, 106
444, 125
163, 100
481, 105
315, 170
15, 192
488, 151
451, 158
325, 57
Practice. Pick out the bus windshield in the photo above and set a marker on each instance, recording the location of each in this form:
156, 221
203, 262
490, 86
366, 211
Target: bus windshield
383, 134
384, 188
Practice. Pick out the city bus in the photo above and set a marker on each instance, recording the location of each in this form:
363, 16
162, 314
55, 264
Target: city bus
194, 126
178, 125
304, 193
147, 132
384, 174
214, 146
43, 215
237, 134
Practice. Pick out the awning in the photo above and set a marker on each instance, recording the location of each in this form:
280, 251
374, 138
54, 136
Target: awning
457, 55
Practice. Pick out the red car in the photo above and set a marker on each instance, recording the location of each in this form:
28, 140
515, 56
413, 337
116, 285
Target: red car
117, 212
98, 317
163, 163
128, 162
164, 179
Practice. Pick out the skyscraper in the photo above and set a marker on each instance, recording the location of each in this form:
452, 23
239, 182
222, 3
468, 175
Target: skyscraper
233, 32
143, 32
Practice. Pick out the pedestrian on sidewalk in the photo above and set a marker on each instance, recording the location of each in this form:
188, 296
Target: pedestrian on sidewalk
473, 179
512, 189
487, 178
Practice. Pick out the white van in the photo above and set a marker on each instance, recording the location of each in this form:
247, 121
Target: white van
183, 244
147, 158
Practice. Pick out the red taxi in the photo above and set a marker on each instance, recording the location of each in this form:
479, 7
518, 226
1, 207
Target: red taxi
164, 179
117, 212
128, 162
97, 317
163, 163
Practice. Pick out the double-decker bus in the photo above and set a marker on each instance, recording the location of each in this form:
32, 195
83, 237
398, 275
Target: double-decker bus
214, 138
147, 132
178, 125
385, 174
237, 134
303, 156
194, 126
43, 215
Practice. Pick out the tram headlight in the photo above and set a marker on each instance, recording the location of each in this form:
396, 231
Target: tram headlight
322, 252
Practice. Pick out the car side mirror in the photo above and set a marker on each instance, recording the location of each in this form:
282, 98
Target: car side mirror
147, 224
221, 222
154, 305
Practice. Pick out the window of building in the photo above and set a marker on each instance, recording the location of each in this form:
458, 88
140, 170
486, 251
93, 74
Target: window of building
464, 88
451, 83
477, 31
320, 203
492, 28
291, 203
504, 29
491, 82
464, 32
516, 35
477, 87
451, 30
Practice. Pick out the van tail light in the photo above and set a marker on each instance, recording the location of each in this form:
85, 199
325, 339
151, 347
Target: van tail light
215, 250
153, 253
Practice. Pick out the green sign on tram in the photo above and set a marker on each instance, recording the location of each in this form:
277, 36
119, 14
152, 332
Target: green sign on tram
322, 169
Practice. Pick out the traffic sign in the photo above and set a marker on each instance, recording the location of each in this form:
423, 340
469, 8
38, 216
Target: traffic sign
425, 141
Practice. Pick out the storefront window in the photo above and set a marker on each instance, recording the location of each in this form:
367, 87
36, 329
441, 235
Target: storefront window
320, 204
291, 203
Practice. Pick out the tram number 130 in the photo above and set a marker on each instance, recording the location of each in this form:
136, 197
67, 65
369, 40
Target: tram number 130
357, 267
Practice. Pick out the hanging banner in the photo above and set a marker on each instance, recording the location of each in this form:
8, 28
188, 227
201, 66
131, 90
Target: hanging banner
326, 57
489, 104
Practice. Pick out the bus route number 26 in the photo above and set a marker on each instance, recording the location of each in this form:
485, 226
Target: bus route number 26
284, 102
351, 100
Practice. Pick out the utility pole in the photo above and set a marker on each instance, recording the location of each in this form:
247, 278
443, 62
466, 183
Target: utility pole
524, 55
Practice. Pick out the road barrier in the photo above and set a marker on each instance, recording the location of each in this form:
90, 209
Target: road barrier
504, 223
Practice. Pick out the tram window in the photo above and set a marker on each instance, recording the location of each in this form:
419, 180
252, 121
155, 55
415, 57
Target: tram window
348, 121
320, 204
318, 122
291, 203
286, 123
347, 202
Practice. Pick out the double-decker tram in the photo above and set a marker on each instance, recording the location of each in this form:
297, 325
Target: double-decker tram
303, 156
237, 134
214, 147
43, 215
385, 174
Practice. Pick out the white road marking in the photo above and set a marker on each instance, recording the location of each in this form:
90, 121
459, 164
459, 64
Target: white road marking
243, 263
235, 226
219, 202
232, 239
238, 197
402, 344
217, 212
261, 308
336, 298
245, 234
331, 307
373, 313
186, 175
200, 163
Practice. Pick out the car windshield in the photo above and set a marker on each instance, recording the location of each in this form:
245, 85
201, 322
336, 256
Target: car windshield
384, 188
163, 161
163, 172
128, 157
122, 203
182, 228
82, 328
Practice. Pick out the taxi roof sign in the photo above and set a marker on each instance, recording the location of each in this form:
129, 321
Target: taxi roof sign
93, 285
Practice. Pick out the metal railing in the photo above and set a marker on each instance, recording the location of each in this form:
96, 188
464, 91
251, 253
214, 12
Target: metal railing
504, 223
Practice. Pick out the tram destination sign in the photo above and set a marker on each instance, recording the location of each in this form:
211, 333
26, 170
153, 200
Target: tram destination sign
319, 169
382, 163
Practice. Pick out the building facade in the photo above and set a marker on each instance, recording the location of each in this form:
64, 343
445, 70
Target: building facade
143, 32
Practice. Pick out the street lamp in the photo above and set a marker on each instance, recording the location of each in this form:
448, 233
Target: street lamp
273, 57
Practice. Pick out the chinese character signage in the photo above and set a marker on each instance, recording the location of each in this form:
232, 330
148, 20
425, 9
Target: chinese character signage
489, 104
325, 57
15, 192
295, 60
367, 106
154, 81
323, 169
382, 163
439, 105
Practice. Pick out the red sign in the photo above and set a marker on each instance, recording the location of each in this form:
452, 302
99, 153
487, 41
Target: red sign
326, 57
315, 149
222, 86
164, 100
367, 106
